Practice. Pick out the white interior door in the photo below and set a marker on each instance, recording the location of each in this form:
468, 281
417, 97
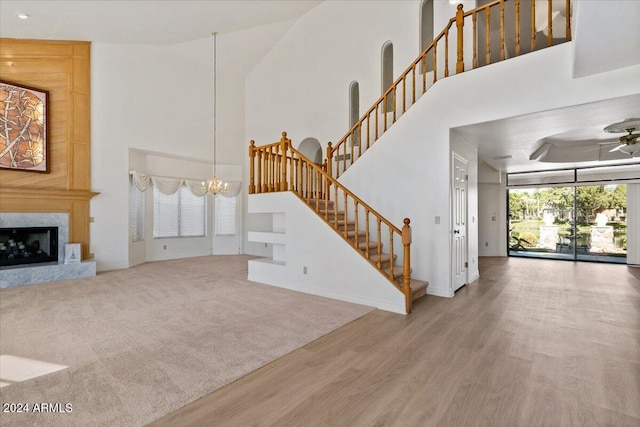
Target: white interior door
459, 223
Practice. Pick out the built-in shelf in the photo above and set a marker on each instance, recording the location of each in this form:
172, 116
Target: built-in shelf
267, 237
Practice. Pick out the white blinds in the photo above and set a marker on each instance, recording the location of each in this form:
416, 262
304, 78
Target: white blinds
181, 214
225, 216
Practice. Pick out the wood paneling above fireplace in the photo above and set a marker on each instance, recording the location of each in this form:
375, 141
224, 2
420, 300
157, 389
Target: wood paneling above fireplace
63, 69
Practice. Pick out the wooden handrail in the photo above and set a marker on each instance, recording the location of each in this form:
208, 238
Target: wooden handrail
343, 157
280, 167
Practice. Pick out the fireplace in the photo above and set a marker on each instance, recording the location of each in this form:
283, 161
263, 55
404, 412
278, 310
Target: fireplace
28, 245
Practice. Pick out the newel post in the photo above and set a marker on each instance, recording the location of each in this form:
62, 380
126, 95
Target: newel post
406, 264
283, 162
329, 159
252, 172
459, 27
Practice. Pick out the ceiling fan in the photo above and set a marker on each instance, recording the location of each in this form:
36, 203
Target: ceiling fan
630, 143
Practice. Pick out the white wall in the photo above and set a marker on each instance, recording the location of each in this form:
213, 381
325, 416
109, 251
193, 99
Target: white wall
334, 268
633, 224
302, 87
492, 220
160, 98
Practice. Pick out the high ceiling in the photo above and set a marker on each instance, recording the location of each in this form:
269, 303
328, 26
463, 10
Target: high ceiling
572, 134
142, 22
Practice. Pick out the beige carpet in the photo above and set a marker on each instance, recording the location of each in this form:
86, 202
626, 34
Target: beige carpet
145, 341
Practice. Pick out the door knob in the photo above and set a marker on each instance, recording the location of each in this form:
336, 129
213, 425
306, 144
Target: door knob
456, 231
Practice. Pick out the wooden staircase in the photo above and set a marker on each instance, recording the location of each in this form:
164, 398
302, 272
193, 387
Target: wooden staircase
279, 167
336, 219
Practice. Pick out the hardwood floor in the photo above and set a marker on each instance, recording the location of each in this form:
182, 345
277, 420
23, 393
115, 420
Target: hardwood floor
531, 343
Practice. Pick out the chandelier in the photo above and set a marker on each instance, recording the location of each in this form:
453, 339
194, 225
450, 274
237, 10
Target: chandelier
215, 185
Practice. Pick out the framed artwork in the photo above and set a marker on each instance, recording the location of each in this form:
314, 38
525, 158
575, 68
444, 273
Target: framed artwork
72, 253
23, 128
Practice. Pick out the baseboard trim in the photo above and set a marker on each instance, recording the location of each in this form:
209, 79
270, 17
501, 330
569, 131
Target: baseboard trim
398, 308
110, 266
439, 292
474, 276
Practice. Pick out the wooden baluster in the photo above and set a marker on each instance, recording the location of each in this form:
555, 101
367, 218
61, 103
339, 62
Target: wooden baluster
568, 19
488, 35
359, 139
355, 236
533, 25
385, 112
549, 24
435, 62
344, 156
395, 102
366, 234
318, 189
459, 30
377, 114
446, 52
329, 159
474, 20
291, 174
368, 129
424, 72
252, 158
391, 254
379, 241
284, 143
335, 207
501, 30
404, 94
326, 200
353, 141
346, 216
309, 188
274, 164
266, 170
517, 10
260, 180
268, 167
413, 84
406, 264
300, 182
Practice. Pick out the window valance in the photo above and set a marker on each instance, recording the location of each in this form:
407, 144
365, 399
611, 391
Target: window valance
168, 185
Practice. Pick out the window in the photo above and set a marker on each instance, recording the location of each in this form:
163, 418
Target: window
181, 214
426, 31
225, 216
136, 214
354, 111
387, 74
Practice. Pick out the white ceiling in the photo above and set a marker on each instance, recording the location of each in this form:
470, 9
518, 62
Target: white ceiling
573, 134
142, 22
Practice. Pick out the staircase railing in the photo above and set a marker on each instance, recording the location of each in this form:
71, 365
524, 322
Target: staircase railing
435, 60
280, 167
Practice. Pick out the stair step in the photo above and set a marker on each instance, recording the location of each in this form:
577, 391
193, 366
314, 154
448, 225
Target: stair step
418, 289
331, 214
385, 260
342, 224
363, 245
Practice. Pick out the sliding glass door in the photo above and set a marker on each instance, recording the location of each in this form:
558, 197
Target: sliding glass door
586, 223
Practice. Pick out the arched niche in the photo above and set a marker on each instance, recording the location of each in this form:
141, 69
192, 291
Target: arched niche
311, 149
387, 72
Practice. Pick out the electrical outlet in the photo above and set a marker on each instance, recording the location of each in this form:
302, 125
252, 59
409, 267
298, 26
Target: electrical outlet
164, 247
486, 243
304, 270
437, 220
90, 219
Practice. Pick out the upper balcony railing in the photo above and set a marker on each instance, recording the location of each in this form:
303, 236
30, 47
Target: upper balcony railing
488, 34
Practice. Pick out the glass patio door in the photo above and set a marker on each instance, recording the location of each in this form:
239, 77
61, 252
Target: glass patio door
585, 223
